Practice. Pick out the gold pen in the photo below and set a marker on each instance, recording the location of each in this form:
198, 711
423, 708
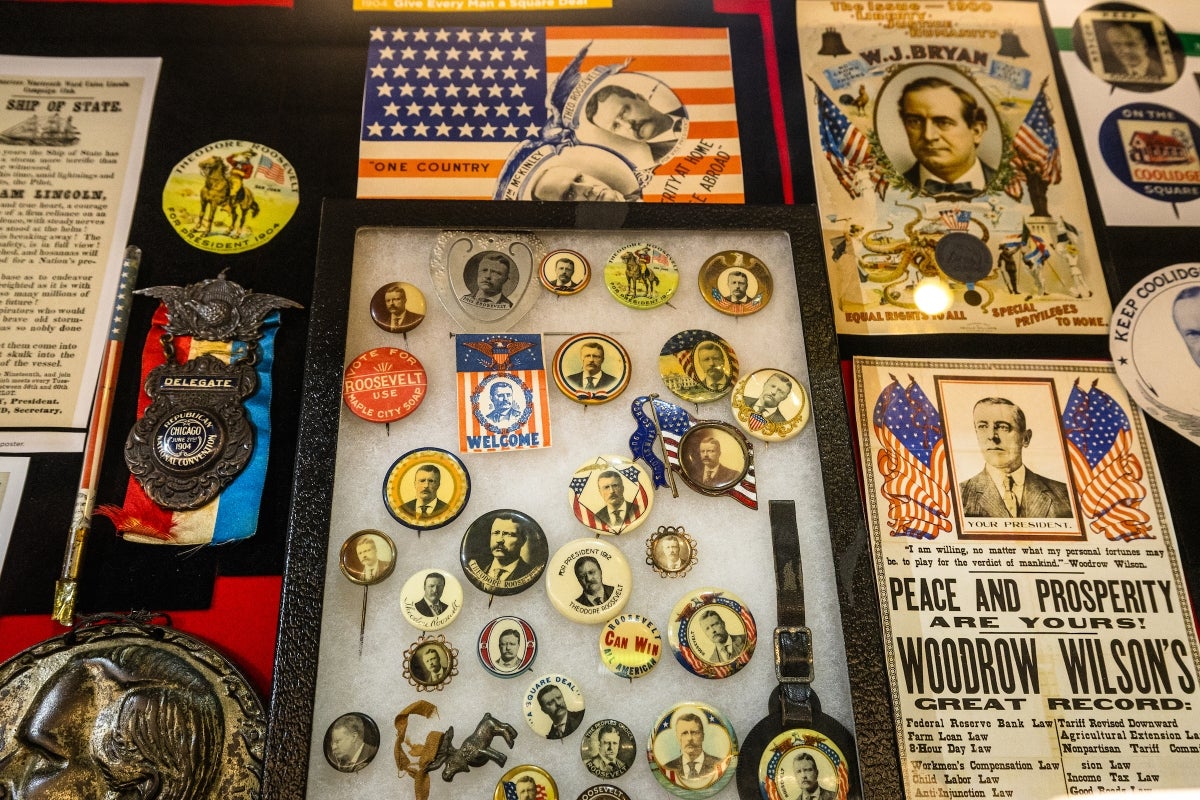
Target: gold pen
66, 587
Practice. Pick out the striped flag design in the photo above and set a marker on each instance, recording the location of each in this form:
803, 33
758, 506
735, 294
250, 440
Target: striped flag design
510, 791
1036, 141
270, 170
1107, 474
477, 357
912, 461
846, 148
444, 108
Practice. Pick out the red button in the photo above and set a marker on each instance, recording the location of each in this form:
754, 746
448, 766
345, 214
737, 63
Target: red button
384, 384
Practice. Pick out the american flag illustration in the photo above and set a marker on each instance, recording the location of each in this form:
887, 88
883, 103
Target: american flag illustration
269, 169
682, 345
956, 219
1107, 475
444, 107
818, 743
912, 461
846, 148
637, 505
701, 667
1036, 146
475, 357
510, 791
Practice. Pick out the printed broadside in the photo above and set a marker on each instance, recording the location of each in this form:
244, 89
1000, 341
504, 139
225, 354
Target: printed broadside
948, 187
1038, 632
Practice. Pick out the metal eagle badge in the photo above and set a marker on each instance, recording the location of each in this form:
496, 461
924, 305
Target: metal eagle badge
195, 437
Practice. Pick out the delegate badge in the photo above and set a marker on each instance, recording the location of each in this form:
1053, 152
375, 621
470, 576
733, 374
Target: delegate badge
507, 646
693, 751
698, 366
397, 307
770, 405
611, 494
630, 646
803, 763
431, 599
503, 552
735, 282
591, 368
641, 275
588, 580
565, 272
608, 749
526, 782
384, 384
426, 488
231, 196
712, 633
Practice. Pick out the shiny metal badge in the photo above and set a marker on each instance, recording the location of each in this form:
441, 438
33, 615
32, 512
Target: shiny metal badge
194, 437
131, 702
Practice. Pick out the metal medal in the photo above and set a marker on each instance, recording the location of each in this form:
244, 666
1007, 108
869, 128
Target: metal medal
195, 437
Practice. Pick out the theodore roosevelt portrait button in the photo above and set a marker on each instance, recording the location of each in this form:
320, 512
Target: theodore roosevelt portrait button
588, 580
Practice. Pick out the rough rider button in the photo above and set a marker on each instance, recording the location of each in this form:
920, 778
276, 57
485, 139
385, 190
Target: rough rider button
524, 782
565, 272
611, 494
608, 749
588, 580
507, 646
503, 552
712, 633
630, 646
735, 282
554, 706
367, 557
351, 742
431, 599
641, 275
384, 384
426, 488
692, 750
397, 307
770, 405
603, 791
698, 366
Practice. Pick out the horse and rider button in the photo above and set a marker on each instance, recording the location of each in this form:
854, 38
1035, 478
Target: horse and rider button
641, 275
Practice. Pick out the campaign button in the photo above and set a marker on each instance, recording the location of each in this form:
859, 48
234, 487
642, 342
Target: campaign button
698, 366
670, 551
588, 580
351, 742
630, 645
384, 384
430, 599
641, 275
735, 282
426, 488
565, 272
771, 405
430, 663
507, 646
397, 307
503, 552
608, 749
591, 368
526, 782
693, 751
611, 494
554, 706
712, 633
367, 557
603, 791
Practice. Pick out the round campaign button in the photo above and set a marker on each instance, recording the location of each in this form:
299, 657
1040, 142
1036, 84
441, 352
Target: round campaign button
641, 275
503, 552
712, 633
430, 663
591, 368
384, 384
526, 782
608, 749
507, 646
603, 791
714, 458
802, 762
693, 751
367, 557
397, 307
735, 282
630, 646
611, 494
565, 272
554, 706
670, 551
588, 580
430, 599
426, 488
698, 366
1128, 46
189, 441
770, 405
351, 742
1152, 149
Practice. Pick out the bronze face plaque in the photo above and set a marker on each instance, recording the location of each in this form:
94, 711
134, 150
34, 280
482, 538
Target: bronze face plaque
119, 701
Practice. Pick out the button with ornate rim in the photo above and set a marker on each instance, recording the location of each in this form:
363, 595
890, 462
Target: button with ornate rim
712, 633
770, 405
671, 551
430, 663
426, 488
693, 750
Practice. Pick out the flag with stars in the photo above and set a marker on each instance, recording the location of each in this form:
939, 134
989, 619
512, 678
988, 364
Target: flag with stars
510, 790
912, 461
503, 400
1106, 473
1036, 142
444, 107
638, 504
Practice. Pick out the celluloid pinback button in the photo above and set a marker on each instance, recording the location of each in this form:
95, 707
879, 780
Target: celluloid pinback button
565, 272
630, 645
384, 384
426, 488
591, 368
507, 646
430, 599
641, 275
367, 557
588, 580
712, 633
770, 404
526, 782
351, 742
397, 307
554, 706
608, 749
503, 552
693, 751
611, 494
430, 663
735, 282
698, 366
603, 791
